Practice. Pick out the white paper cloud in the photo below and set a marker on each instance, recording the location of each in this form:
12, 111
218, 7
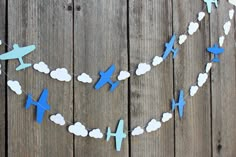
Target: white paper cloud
182, 38
96, 133
221, 40
166, 117
15, 86
202, 78
41, 67
193, 90
78, 129
143, 68
153, 125
208, 67
85, 78
231, 14
192, 28
201, 15
137, 131
61, 74
58, 119
0, 42
226, 27
232, 2
157, 60
123, 75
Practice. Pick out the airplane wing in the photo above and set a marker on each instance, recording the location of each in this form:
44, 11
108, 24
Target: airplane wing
181, 96
40, 113
8, 55
118, 143
43, 96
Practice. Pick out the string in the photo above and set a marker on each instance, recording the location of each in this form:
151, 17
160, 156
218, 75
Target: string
187, 96
130, 71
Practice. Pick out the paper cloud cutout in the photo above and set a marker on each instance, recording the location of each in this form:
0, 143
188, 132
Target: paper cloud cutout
41, 67
166, 117
221, 40
192, 28
232, 2
231, 14
193, 90
202, 78
85, 78
78, 129
143, 68
201, 15
58, 119
61, 74
137, 131
123, 75
15, 86
182, 39
0, 42
153, 125
208, 67
157, 60
96, 133
226, 27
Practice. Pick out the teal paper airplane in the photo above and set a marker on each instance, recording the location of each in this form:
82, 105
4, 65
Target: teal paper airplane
208, 3
18, 53
119, 135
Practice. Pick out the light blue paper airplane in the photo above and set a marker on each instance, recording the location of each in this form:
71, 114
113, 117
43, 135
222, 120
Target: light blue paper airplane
18, 53
209, 2
119, 135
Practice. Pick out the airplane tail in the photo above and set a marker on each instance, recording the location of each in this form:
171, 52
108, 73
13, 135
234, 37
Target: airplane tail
23, 66
215, 59
114, 85
29, 101
175, 52
173, 105
108, 134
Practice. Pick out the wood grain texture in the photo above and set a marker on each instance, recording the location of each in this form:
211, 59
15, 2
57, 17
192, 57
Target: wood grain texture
193, 132
89, 36
150, 25
223, 86
3, 80
100, 39
48, 25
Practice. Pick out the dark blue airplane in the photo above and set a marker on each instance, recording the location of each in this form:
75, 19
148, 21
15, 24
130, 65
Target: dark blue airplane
169, 48
105, 77
180, 104
216, 50
41, 105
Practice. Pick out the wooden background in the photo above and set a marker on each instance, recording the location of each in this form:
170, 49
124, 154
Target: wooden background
90, 35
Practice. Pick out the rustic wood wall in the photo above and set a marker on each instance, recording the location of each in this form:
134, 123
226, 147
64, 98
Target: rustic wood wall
89, 36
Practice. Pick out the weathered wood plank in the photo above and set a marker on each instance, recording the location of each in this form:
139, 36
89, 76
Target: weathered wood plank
2, 80
193, 132
100, 37
150, 27
48, 25
223, 87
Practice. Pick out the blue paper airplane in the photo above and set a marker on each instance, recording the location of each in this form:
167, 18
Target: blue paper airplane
119, 135
105, 77
208, 3
180, 104
216, 50
18, 53
41, 105
170, 48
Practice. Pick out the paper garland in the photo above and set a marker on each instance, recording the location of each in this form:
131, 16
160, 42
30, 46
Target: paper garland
80, 130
